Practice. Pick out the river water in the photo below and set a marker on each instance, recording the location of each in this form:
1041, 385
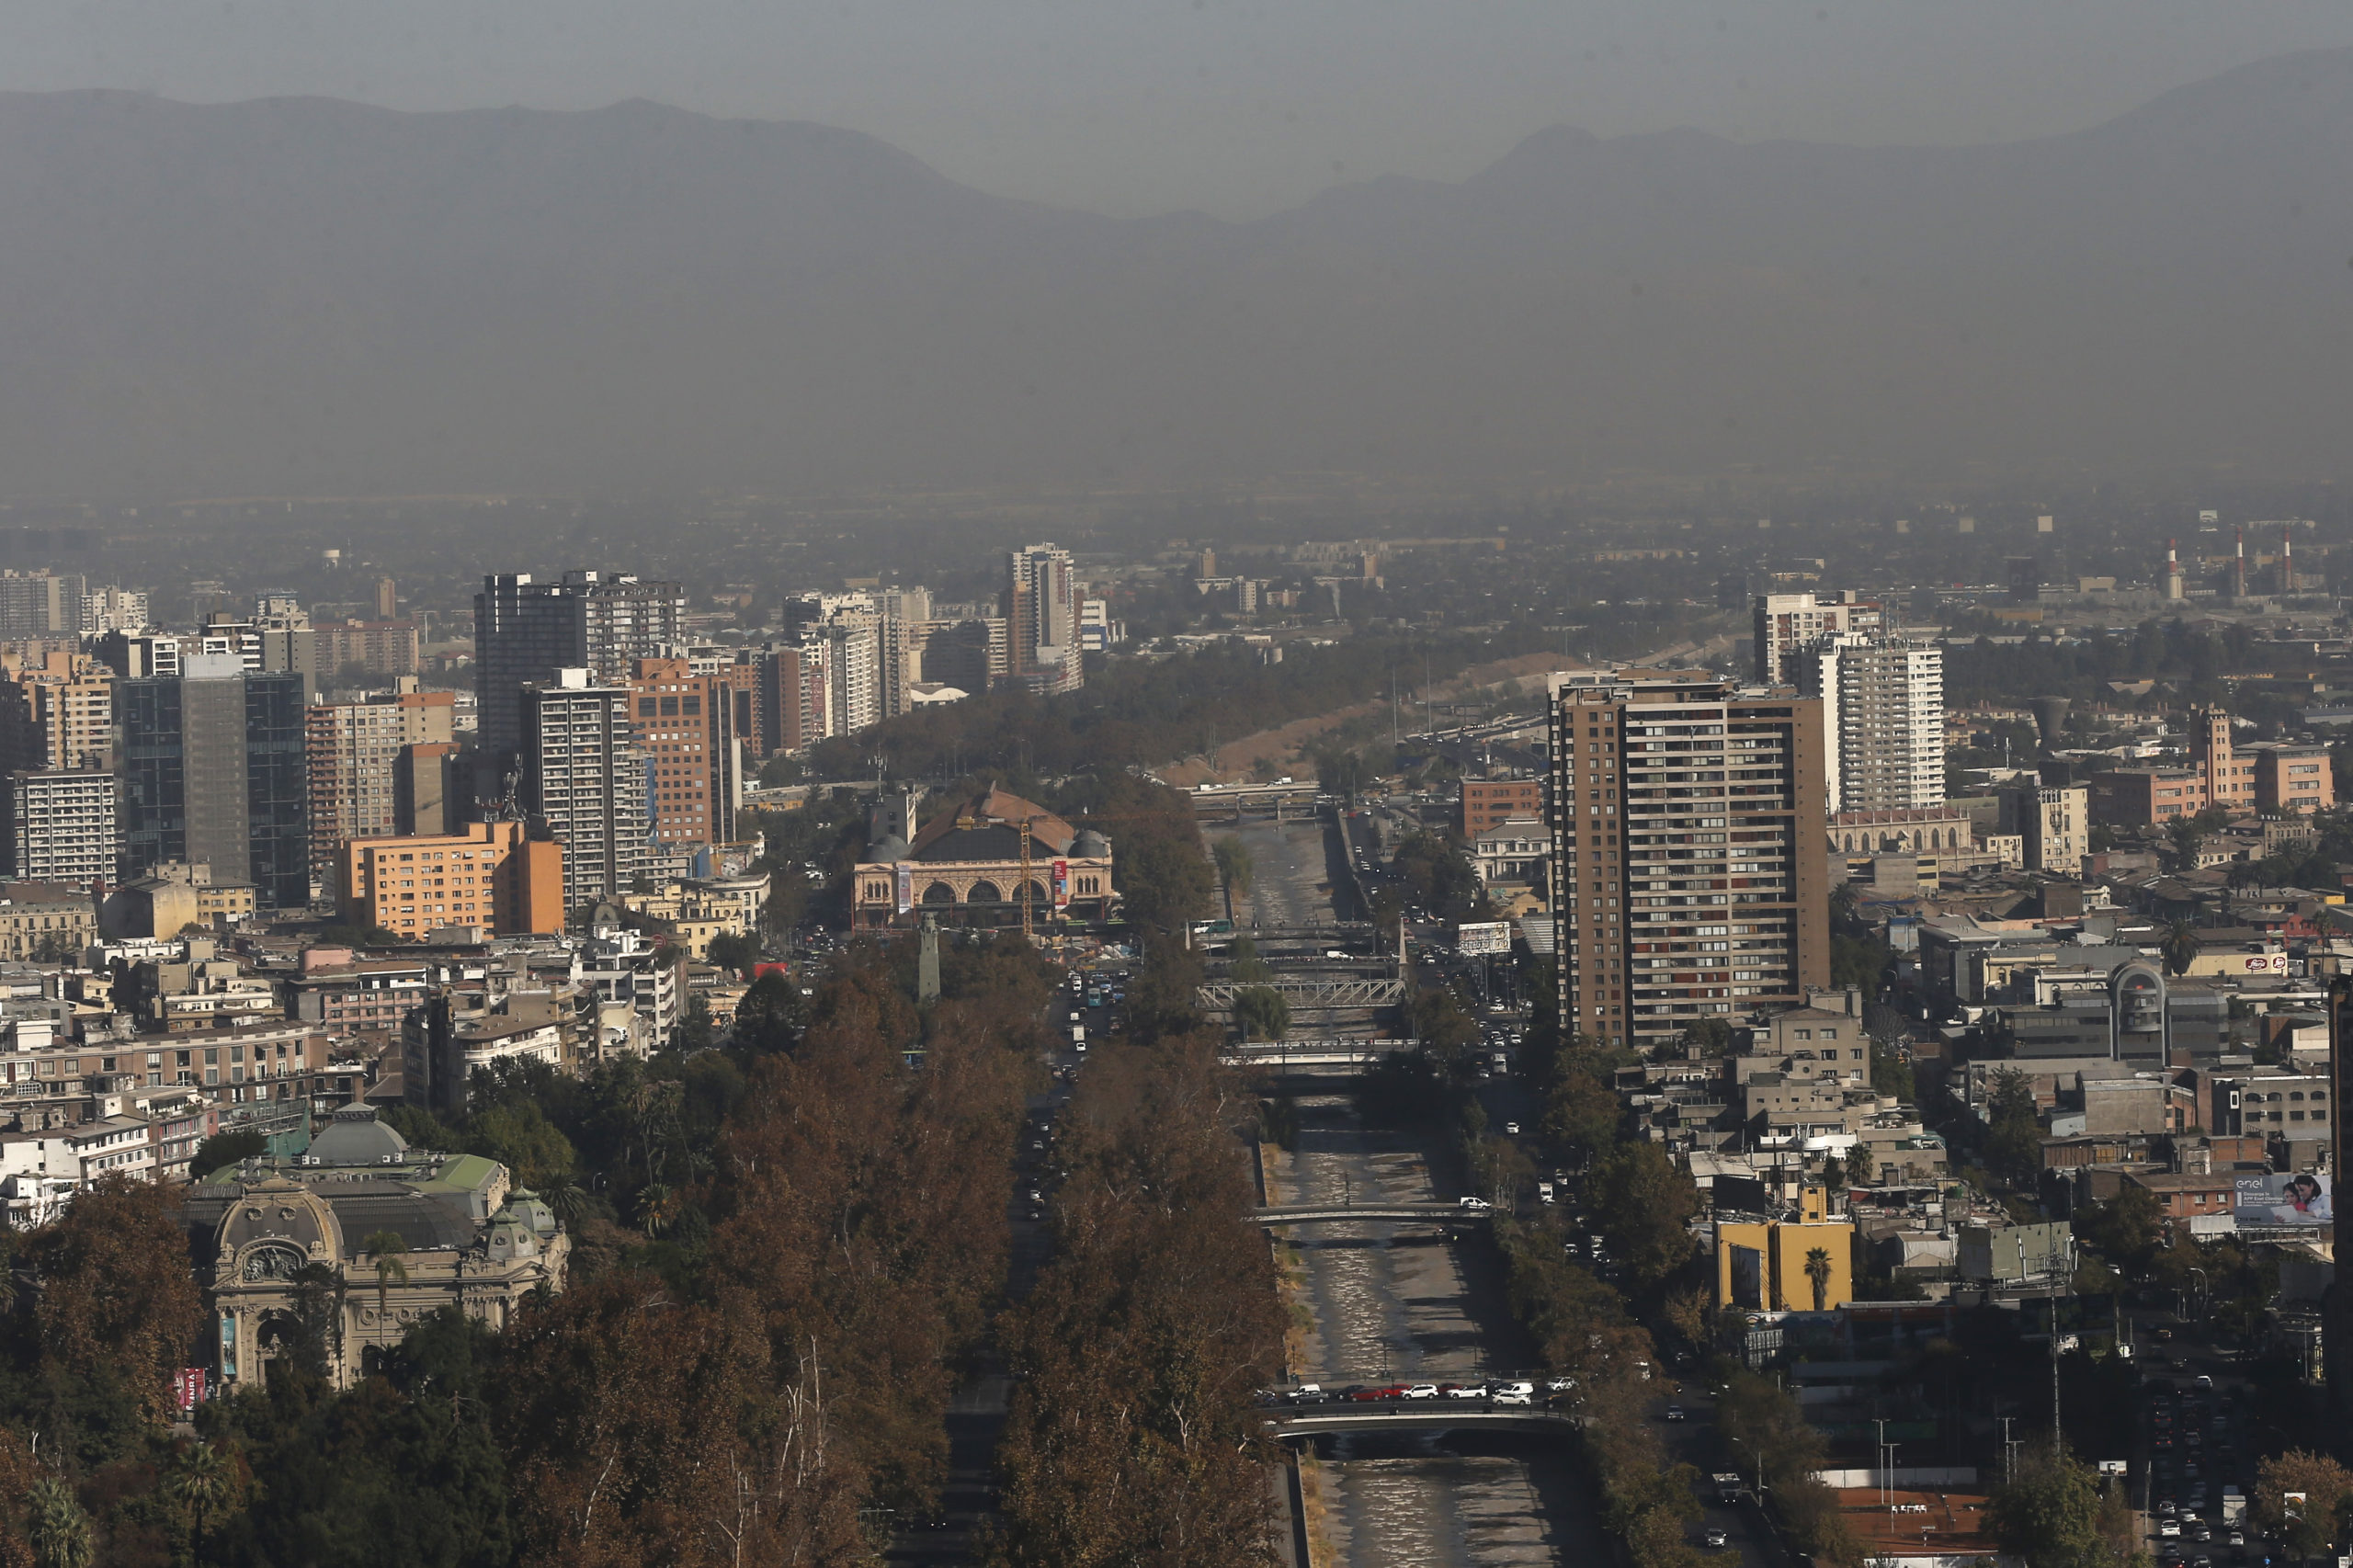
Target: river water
1392, 1302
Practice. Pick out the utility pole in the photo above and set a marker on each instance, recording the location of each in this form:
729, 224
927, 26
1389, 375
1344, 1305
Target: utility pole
2058, 1438
2010, 1451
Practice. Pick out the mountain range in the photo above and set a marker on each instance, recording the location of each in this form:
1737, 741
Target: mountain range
301, 296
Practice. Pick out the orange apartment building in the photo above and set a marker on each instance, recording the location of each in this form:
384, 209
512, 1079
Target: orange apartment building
491, 876
2269, 777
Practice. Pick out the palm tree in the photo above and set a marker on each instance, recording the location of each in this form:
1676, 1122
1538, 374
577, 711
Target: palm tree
1817, 1269
386, 1247
60, 1530
202, 1482
2180, 946
653, 1209
567, 1200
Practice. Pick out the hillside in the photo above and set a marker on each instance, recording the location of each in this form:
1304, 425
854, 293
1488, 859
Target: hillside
301, 296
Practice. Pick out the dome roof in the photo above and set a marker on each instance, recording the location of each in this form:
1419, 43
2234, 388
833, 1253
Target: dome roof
885, 850
527, 1206
1089, 844
357, 1138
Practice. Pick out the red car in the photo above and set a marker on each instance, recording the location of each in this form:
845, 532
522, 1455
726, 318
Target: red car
1398, 1392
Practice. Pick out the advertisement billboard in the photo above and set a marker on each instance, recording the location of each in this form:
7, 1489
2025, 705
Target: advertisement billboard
903, 884
1476, 938
1062, 884
187, 1389
2281, 1198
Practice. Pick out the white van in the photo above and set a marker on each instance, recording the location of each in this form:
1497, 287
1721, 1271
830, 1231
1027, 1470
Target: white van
1511, 1393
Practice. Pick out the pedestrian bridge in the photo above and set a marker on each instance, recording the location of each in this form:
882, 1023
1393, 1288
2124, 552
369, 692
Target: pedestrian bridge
1343, 1213
1417, 1415
1307, 994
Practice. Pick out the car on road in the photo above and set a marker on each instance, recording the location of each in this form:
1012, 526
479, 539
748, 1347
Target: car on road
1306, 1393
1464, 1391
1475, 1205
2169, 1529
1512, 1394
1715, 1541
1511, 1129
1365, 1395
1675, 1412
1422, 1390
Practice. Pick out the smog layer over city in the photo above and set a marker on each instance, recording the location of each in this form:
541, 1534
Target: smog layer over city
1177, 784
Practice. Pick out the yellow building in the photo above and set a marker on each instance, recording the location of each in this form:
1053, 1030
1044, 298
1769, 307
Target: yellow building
1772, 1265
491, 876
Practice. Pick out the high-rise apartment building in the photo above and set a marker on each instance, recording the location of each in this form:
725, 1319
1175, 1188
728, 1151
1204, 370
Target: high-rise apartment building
492, 875
113, 610
55, 712
354, 751
40, 604
61, 826
1042, 608
2053, 824
214, 772
585, 784
792, 693
971, 654
684, 726
1687, 851
854, 669
525, 631
1883, 714
1788, 623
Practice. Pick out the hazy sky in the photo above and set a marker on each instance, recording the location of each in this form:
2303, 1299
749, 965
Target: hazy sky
1237, 107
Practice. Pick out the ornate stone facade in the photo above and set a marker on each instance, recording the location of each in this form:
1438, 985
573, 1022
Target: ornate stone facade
273, 1243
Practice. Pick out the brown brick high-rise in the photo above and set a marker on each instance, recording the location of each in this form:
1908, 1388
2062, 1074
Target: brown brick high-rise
1688, 844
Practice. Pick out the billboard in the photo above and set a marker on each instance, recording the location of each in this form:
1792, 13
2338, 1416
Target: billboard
187, 1389
1062, 884
2281, 1198
904, 881
1475, 938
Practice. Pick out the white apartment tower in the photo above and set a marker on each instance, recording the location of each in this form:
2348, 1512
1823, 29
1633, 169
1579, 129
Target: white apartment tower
61, 826
1882, 717
1041, 607
1789, 623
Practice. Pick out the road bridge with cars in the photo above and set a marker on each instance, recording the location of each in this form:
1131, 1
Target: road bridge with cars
1343, 1213
1417, 1415
1231, 800
1314, 1058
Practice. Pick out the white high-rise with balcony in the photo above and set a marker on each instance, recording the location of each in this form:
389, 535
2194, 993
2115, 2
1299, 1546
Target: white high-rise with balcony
1883, 718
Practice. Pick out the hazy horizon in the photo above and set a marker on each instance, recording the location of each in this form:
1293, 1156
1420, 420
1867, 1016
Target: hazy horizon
1131, 107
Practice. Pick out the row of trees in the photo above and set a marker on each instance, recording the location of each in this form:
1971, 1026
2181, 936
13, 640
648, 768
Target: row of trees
786, 1257
1132, 1437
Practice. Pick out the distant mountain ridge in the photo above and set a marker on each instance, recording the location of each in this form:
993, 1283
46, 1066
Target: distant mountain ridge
302, 296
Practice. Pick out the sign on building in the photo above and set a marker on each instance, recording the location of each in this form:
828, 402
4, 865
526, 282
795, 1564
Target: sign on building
1476, 938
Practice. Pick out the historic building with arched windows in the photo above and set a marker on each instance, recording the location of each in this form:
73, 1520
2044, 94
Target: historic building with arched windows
966, 866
